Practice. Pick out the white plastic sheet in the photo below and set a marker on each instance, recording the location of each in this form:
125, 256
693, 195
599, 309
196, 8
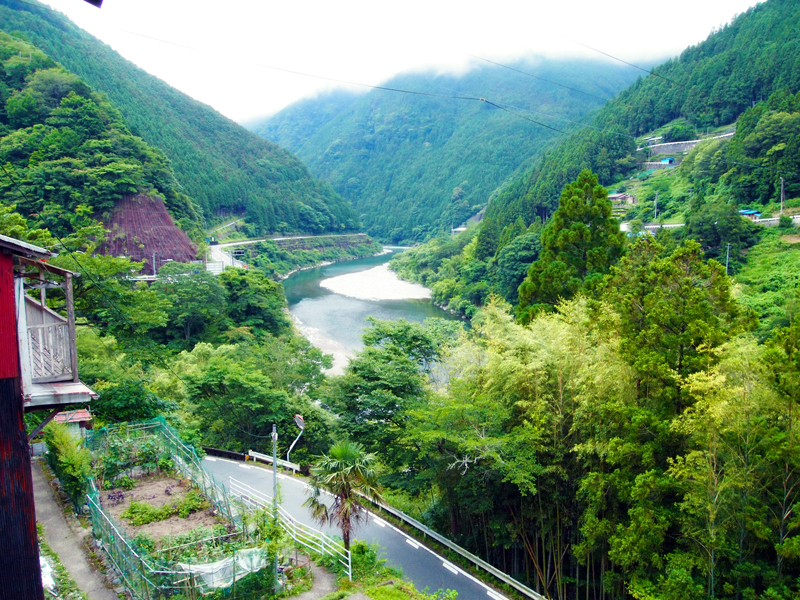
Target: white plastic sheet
221, 574
47, 574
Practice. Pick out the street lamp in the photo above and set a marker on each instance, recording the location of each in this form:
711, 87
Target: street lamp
275, 491
301, 424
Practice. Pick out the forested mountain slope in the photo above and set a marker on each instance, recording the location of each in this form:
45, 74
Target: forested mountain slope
709, 84
220, 165
67, 153
413, 164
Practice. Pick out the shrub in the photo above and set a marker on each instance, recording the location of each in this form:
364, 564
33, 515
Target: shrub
142, 513
165, 463
126, 483
145, 542
70, 461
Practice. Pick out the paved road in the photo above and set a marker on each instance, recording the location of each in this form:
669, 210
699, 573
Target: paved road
279, 239
420, 564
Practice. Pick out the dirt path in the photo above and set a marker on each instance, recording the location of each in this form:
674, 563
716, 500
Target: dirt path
324, 583
66, 539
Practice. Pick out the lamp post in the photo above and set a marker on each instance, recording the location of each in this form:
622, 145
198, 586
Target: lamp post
275, 490
301, 424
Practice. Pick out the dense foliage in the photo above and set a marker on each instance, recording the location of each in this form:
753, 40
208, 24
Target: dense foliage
415, 165
637, 445
223, 167
458, 280
579, 245
65, 148
277, 262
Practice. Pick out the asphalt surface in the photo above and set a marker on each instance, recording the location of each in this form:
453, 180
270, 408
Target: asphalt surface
421, 565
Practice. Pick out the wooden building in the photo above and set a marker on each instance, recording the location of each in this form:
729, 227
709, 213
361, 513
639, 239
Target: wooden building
38, 371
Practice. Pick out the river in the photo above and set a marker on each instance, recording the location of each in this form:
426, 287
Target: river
333, 321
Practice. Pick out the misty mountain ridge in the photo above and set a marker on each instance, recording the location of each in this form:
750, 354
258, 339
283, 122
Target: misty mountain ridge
414, 164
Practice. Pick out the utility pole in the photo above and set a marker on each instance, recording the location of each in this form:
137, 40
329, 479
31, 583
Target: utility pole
727, 258
275, 491
655, 218
781, 196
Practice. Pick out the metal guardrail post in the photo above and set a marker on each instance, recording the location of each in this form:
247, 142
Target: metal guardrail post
491, 569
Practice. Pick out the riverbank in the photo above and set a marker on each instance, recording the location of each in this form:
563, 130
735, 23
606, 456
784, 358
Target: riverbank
325, 263
334, 319
377, 283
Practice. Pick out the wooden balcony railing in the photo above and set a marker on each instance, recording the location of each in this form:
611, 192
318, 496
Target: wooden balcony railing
50, 351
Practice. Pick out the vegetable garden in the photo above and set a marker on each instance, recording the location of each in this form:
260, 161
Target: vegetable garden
204, 544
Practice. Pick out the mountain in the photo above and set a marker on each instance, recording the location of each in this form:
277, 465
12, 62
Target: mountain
745, 75
67, 154
414, 164
708, 85
223, 167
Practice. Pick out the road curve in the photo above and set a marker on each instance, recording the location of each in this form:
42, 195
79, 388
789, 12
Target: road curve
420, 564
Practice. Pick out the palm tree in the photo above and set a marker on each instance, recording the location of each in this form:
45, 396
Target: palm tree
347, 473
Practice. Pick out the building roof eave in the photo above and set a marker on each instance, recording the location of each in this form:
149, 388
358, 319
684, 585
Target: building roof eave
20, 248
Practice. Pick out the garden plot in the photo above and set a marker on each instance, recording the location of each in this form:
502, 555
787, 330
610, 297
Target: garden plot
170, 530
164, 494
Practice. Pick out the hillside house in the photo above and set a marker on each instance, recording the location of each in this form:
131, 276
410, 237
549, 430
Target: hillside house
622, 198
750, 214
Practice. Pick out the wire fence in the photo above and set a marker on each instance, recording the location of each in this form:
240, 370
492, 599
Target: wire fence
129, 447
303, 535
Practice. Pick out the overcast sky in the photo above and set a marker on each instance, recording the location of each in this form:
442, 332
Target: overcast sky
219, 52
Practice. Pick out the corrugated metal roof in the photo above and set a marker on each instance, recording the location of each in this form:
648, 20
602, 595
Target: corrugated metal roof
24, 248
74, 416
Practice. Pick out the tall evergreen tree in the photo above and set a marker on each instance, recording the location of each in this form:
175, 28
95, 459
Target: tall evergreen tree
579, 245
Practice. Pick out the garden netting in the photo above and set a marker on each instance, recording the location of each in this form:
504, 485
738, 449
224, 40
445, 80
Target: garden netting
126, 448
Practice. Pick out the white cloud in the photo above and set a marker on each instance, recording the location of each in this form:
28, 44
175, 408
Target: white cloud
214, 51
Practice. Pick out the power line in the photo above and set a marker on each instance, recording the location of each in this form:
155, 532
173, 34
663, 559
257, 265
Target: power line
519, 116
625, 62
381, 87
491, 62
578, 123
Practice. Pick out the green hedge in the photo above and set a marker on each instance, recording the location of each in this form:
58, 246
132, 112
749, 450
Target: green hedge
70, 461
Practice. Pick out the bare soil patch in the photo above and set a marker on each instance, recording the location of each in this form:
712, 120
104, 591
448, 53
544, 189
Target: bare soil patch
157, 490
791, 239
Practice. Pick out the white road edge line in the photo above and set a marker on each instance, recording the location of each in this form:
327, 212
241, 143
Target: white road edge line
450, 568
491, 593
245, 466
211, 458
412, 543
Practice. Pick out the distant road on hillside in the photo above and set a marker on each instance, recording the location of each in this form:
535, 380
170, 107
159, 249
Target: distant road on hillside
289, 237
